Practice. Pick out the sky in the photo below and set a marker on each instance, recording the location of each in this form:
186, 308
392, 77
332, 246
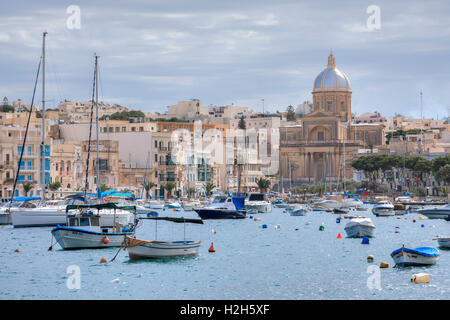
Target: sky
154, 53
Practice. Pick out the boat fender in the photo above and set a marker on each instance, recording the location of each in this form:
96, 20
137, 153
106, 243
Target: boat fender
365, 240
370, 258
103, 260
105, 240
211, 248
384, 264
420, 278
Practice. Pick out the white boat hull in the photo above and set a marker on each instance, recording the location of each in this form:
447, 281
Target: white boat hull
161, 249
444, 242
72, 239
260, 207
5, 218
359, 231
411, 259
384, 212
50, 218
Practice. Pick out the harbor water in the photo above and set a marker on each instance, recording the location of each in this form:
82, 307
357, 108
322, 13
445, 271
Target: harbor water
290, 259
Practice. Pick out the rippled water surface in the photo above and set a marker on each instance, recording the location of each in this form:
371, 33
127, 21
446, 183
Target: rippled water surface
250, 262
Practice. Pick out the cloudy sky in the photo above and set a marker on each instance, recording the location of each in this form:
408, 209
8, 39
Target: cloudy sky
155, 53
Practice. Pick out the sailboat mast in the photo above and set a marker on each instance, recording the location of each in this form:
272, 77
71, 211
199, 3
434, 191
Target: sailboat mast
96, 122
43, 119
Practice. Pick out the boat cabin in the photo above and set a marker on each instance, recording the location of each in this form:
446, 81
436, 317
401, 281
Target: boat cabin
86, 221
256, 197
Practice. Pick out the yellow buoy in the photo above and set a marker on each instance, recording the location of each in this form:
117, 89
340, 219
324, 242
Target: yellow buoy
384, 265
420, 278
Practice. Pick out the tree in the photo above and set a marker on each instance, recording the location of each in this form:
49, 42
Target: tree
241, 124
444, 174
6, 108
104, 187
27, 186
124, 115
148, 186
169, 186
263, 184
191, 191
209, 188
290, 113
53, 186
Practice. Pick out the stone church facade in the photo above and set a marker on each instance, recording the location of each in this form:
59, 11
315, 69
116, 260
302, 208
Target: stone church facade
322, 144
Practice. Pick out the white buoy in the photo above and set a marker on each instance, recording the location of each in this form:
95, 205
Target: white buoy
117, 280
420, 278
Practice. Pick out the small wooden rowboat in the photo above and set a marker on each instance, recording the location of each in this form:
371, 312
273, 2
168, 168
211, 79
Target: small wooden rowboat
145, 249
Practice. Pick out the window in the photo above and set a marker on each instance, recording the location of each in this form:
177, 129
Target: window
73, 222
117, 129
141, 129
320, 136
156, 158
133, 129
19, 149
84, 221
29, 150
156, 144
124, 129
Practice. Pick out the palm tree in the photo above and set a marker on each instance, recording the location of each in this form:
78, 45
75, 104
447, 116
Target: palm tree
209, 188
27, 186
263, 184
169, 186
191, 191
54, 186
148, 186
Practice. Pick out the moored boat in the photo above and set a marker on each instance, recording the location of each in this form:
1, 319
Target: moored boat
415, 257
298, 210
223, 207
360, 227
444, 241
258, 201
145, 249
383, 208
84, 230
442, 212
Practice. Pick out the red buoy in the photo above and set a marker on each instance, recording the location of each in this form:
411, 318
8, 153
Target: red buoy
339, 236
211, 248
105, 240
103, 260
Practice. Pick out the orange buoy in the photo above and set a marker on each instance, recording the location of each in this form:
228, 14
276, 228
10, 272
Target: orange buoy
17, 250
339, 236
103, 260
174, 209
105, 240
211, 248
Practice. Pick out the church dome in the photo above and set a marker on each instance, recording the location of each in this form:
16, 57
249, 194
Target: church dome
331, 77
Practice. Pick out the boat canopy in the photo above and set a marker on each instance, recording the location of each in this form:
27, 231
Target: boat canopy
26, 198
423, 251
108, 205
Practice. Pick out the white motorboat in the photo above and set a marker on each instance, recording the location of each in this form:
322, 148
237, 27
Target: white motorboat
258, 201
329, 204
352, 203
438, 212
84, 229
224, 207
191, 205
5, 217
34, 215
415, 257
444, 241
155, 205
173, 205
383, 208
298, 210
360, 227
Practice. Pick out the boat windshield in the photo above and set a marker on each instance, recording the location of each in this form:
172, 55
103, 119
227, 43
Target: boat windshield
219, 200
256, 197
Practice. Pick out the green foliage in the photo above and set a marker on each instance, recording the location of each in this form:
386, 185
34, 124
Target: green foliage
443, 174
263, 184
173, 119
169, 186
54, 185
124, 115
6, 108
27, 186
290, 113
148, 186
209, 188
242, 125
